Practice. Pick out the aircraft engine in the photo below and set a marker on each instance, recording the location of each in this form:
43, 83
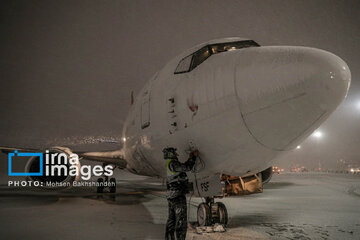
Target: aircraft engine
56, 167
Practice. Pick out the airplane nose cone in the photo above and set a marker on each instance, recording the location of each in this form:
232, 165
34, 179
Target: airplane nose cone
285, 93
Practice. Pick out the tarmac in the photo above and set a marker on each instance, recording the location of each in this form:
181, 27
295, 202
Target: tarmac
292, 206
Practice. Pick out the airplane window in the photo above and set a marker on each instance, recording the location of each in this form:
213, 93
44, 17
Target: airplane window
184, 65
200, 56
223, 47
190, 62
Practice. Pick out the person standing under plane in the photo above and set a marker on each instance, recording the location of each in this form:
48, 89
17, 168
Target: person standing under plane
177, 187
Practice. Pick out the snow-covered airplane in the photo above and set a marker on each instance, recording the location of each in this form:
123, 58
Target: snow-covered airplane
241, 104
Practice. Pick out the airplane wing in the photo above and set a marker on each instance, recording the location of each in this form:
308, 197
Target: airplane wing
111, 157
108, 157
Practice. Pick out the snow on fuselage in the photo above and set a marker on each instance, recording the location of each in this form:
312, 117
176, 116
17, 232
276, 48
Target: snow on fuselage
241, 108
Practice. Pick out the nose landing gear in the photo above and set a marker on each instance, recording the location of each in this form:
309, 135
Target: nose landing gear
111, 184
209, 213
101, 187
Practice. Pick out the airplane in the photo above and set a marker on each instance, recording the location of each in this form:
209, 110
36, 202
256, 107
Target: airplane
241, 104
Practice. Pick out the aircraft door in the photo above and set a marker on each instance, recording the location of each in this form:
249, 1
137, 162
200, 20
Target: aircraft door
145, 109
145, 103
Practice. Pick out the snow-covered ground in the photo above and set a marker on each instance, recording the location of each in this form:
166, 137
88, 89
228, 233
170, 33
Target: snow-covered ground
293, 206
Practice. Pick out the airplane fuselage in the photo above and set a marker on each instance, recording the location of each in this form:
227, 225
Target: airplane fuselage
240, 105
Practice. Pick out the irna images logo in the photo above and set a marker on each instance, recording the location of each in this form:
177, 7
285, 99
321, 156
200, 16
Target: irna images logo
58, 164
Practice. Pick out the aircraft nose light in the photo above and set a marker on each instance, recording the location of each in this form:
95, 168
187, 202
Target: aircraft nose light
285, 93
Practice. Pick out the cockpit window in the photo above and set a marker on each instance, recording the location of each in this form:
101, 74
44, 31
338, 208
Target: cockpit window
190, 62
223, 47
184, 65
200, 56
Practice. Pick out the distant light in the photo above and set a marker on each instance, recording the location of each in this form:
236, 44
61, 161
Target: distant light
298, 147
358, 105
124, 139
317, 134
352, 170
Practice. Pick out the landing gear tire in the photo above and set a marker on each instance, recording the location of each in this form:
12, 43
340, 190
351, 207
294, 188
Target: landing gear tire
203, 215
100, 188
113, 185
210, 213
222, 213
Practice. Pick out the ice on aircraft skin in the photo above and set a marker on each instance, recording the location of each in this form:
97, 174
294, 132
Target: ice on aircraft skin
252, 104
296, 87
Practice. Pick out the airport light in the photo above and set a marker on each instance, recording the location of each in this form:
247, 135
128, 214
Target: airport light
317, 134
358, 105
124, 139
298, 147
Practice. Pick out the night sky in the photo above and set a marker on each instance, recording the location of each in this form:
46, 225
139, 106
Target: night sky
67, 68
